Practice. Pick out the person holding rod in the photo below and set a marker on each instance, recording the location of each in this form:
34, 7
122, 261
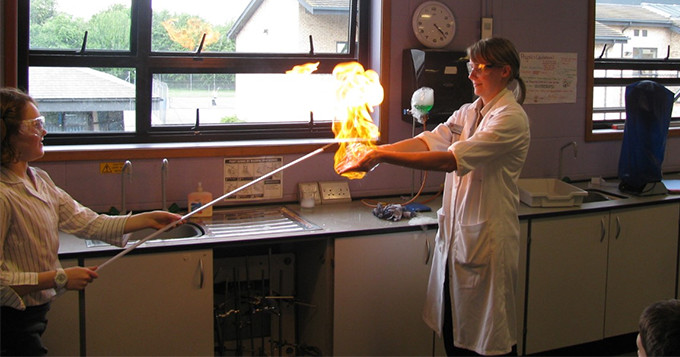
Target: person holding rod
32, 212
482, 147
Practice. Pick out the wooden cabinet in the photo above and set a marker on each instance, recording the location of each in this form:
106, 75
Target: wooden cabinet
62, 337
379, 294
590, 275
151, 304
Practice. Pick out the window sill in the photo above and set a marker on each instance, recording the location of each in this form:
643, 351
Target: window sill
180, 150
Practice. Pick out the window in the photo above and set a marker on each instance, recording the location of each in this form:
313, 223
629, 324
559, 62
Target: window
143, 71
631, 41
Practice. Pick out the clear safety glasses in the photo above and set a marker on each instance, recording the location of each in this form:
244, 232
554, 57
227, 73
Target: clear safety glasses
33, 126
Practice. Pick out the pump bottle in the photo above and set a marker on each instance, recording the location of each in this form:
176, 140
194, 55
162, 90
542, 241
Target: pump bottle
198, 199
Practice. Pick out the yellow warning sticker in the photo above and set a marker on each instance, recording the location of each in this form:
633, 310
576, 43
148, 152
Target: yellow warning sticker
111, 167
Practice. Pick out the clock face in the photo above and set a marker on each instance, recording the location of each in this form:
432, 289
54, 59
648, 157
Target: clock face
433, 24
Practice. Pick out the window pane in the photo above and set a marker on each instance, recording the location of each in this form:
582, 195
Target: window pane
676, 106
241, 98
84, 100
61, 24
281, 26
642, 31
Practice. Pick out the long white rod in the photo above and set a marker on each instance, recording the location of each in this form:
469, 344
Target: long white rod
171, 225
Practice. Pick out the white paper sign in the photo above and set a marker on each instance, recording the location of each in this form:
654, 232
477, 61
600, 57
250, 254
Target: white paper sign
242, 170
550, 77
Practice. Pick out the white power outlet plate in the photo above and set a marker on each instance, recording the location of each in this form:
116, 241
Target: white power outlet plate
310, 188
334, 192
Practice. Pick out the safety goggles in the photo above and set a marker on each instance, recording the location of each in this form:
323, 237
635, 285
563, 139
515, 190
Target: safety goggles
33, 126
479, 67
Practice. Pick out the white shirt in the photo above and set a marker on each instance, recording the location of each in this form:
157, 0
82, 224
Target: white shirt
478, 225
30, 221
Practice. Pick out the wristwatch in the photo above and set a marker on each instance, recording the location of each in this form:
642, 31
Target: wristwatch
60, 279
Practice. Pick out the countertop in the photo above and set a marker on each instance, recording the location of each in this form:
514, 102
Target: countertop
354, 219
334, 220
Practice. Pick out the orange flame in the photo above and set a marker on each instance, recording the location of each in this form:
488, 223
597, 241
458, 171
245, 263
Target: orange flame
357, 92
190, 36
306, 68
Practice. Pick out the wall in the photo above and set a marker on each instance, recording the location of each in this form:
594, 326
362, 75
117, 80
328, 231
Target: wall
533, 25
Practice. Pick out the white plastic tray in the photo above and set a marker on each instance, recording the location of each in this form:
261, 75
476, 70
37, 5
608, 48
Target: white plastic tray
545, 192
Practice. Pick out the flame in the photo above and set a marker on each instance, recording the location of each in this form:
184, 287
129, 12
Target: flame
306, 68
357, 93
190, 36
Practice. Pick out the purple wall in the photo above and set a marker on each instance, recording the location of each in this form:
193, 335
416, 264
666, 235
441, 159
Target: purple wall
533, 25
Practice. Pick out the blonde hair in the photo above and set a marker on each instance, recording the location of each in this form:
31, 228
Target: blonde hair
500, 52
13, 103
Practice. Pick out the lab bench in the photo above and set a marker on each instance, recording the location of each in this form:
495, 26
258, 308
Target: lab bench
585, 273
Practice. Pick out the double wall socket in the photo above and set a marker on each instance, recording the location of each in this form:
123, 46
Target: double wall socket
325, 192
334, 192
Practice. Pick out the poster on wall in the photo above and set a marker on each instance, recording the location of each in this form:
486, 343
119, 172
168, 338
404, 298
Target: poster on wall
242, 170
550, 77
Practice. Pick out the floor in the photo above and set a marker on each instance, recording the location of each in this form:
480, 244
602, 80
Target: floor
623, 345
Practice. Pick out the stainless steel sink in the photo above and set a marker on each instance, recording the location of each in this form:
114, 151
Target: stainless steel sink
232, 223
236, 223
184, 232
595, 195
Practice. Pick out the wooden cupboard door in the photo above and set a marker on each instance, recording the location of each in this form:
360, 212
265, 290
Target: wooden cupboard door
643, 246
567, 279
157, 304
380, 283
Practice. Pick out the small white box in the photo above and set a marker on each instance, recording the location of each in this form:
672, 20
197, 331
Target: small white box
542, 192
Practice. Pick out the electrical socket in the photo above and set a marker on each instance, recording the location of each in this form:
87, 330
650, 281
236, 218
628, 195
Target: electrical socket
334, 192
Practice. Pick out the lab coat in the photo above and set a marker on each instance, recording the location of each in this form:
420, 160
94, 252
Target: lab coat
478, 225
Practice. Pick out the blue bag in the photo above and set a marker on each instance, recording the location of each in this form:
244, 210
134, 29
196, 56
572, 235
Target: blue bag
648, 114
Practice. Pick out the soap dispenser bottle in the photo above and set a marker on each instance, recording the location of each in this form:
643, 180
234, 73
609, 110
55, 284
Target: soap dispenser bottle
197, 199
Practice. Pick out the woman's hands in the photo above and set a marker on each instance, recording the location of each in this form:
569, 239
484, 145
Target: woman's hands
363, 162
153, 219
80, 277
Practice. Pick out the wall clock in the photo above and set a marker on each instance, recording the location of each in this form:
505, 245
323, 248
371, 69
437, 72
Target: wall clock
433, 24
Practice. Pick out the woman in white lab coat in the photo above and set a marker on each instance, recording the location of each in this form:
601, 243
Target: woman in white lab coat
482, 147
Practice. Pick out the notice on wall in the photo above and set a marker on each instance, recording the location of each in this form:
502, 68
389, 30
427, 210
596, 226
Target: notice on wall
243, 170
550, 77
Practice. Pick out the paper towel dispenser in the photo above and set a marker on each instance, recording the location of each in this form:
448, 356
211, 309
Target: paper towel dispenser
443, 71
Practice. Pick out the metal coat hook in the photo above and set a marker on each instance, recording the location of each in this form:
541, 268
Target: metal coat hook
82, 48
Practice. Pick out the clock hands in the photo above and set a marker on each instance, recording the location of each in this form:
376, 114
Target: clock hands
439, 29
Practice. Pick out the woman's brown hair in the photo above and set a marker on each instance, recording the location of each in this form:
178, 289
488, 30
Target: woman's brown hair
12, 106
499, 52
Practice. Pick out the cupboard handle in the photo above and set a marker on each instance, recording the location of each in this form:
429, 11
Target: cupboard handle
429, 251
200, 266
618, 227
603, 230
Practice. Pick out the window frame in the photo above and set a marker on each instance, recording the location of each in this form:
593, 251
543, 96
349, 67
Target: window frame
617, 64
148, 63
